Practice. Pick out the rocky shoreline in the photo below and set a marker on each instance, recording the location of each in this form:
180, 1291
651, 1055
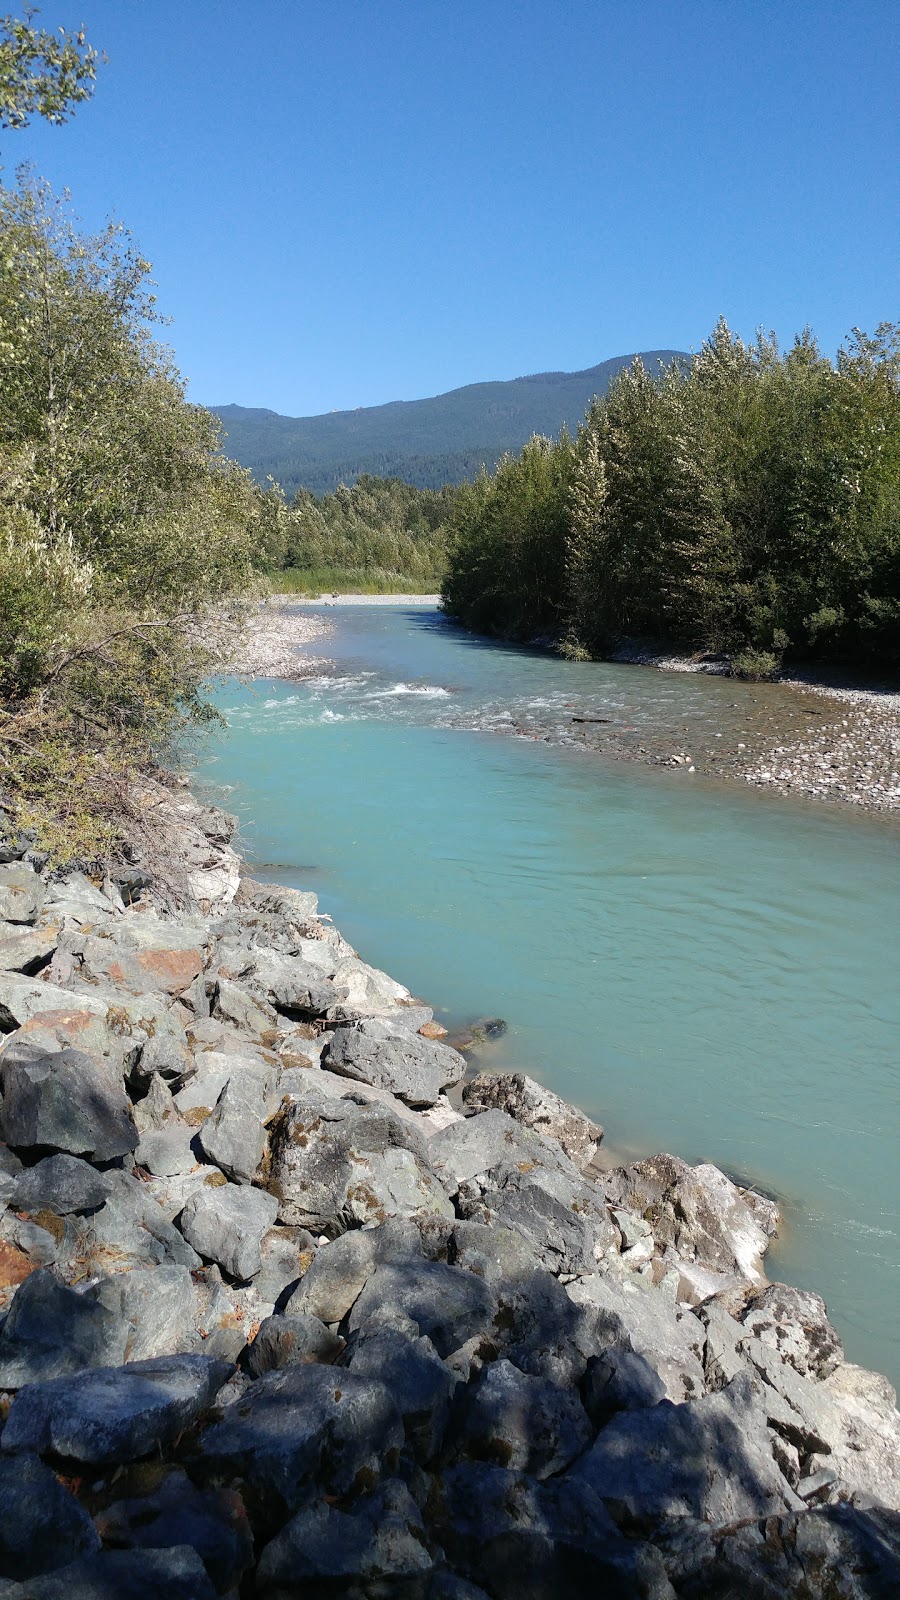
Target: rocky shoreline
279, 1318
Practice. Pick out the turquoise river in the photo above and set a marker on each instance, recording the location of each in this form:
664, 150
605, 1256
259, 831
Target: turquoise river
706, 968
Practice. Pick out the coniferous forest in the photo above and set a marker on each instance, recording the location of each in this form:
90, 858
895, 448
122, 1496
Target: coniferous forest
746, 502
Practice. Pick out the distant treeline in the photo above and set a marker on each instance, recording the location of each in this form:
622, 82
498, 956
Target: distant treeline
747, 502
381, 526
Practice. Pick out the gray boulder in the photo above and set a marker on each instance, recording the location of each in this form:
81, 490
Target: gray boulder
542, 1331
710, 1459
290, 1341
289, 984
50, 1332
22, 892
129, 1230
636, 1316
251, 1015
381, 1540
117, 1414
410, 1367
166, 1152
210, 1521
340, 1270
66, 1101
446, 1304
42, 1526
839, 1551
562, 1219
701, 1215
525, 1423
535, 1107
233, 1137
619, 1380
519, 1537
24, 949
176, 1573
376, 1052
490, 1139
158, 1308
226, 1225
61, 1184
305, 1429
794, 1322
495, 1253
336, 1164
23, 1000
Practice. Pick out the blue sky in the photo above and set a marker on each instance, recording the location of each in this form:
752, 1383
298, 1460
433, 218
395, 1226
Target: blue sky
351, 201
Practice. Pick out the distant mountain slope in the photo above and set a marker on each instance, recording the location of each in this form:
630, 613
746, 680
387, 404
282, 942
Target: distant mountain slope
428, 442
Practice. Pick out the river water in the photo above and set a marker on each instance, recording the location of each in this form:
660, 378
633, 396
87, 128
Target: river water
705, 968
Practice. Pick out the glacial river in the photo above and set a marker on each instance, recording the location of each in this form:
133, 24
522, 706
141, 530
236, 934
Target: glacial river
705, 968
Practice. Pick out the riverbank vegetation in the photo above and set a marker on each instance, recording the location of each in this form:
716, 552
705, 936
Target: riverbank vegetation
746, 503
381, 536
125, 539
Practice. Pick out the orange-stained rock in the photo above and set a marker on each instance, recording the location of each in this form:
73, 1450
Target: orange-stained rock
432, 1030
15, 1266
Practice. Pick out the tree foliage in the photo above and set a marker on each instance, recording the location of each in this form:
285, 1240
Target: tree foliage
380, 525
41, 73
126, 540
747, 503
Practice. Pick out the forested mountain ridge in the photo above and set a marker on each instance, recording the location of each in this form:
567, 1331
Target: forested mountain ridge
444, 439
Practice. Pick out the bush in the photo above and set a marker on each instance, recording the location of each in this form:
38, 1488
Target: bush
125, 540
757, 666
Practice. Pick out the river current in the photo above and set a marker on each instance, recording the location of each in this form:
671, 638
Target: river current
705, 968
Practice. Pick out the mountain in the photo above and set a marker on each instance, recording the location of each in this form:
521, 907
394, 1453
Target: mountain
444, 439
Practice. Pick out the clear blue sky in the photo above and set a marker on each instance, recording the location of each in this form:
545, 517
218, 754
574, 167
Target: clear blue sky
351, 201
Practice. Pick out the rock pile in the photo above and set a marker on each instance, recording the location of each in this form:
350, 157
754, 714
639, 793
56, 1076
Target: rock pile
278, 1319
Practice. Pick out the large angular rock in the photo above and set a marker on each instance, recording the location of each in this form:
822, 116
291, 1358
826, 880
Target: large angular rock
475, 1145
710, 1459
166, 1152
233, 1136
340, 1270
41, 1525
336, 1164
50, 1332
446, 1304
254, 1017
373, 1051
305, 1429
701, 1215
288, 983
22, 892
212, 1522
562, 1219
157, 1307
794, 1322
66, 1101
542, 1331
226, 1225
535, 1107
61, 1184
117, 1414
408, 1364
838, 1551
291, 1340
24, 949
130, 1230
382, 1540
525, 1423
176, 1573
23, 1000
213, 1069
517, 1536
641, 1319
495, 1253
619, 1380
143, 955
